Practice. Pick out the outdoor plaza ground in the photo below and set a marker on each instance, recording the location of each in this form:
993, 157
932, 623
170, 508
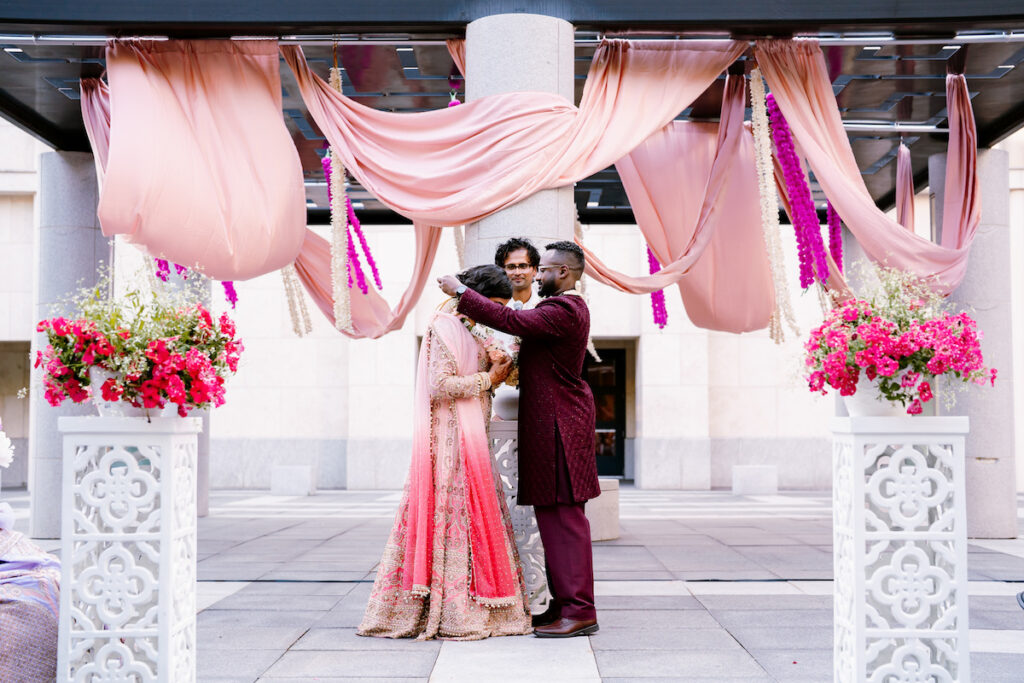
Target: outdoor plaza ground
700, 586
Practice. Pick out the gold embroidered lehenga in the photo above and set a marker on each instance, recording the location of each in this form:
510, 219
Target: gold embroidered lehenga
450, 568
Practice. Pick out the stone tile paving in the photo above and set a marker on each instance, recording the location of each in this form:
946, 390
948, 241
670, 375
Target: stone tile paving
700, 586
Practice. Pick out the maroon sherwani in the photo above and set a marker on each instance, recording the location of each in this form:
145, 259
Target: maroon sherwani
557, 467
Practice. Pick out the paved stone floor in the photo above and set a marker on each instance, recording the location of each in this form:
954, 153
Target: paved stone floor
701, 586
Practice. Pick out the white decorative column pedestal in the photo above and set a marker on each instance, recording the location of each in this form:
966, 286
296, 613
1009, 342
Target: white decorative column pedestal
128, 550
900, 548
504, 450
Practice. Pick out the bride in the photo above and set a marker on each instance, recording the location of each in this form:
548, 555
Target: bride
450, 568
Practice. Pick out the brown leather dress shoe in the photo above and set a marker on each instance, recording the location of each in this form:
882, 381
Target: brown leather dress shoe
545, 618
567, 628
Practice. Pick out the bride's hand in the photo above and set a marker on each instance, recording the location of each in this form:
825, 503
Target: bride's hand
499, 371
497, 355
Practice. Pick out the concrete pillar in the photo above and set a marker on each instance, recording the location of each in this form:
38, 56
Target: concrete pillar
512, 53
68, 248
986, 293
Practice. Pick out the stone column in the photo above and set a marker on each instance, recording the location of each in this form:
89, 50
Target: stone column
986, 294
511, 53
68, 247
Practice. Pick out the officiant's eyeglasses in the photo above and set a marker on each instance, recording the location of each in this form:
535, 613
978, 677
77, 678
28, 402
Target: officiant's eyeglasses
513, 267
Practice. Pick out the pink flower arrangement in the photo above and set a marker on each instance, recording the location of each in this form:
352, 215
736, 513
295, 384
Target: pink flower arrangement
159, 351
899, 342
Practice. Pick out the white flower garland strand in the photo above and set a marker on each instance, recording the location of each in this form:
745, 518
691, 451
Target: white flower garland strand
460, 245
581, 287
339, 234
301, 324
770, 211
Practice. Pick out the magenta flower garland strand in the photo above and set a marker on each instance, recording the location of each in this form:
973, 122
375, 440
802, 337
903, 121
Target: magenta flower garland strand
810, 247
835, 236
229, 292
358, 228
353, 223
658, 297
163, 269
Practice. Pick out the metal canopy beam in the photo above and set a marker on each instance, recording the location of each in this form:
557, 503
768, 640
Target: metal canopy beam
226, 17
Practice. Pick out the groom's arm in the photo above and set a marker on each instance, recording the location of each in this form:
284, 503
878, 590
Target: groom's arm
546, 320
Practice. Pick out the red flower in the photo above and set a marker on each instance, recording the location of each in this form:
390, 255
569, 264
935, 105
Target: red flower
925, 390
111, 390
227, 325
914, 408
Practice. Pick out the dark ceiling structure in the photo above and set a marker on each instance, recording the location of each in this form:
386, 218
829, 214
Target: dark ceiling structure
887, 58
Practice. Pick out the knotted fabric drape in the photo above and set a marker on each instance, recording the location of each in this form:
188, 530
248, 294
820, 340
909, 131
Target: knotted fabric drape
904, 188
691, 187
200, 167
796, 73
456, 165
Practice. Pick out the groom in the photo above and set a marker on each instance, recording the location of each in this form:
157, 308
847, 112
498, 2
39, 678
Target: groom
557, 469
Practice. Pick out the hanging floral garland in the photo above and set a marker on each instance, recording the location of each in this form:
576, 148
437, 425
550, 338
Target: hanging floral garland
810, 247
297, 310
163, 271
460, 244
229, 292
453, 88
835, 236
770, 211
658, 308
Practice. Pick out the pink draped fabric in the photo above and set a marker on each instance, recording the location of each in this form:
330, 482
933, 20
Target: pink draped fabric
797, 76
456, 165
457, 49
200, 168
492, 577
96, 115
690, 186
904, 188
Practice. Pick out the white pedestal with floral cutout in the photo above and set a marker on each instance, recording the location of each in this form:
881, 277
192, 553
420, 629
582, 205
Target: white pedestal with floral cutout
900, 549
128, 549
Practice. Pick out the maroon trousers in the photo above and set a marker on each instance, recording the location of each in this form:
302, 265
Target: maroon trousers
568, 554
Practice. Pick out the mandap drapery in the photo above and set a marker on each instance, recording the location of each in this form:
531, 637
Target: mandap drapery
904, 188
195, 162
690, 186
796, 73
456, 165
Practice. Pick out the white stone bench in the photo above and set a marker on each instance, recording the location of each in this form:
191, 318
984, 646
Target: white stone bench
292, 480
603, 512
754, 480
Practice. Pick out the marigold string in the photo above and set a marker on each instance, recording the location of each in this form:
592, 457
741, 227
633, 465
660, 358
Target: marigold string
657, 298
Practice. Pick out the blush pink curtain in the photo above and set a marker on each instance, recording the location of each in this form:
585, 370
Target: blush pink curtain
457, 49
904, 188
200, 168
456, 165
690, 186
96, 115
797, 75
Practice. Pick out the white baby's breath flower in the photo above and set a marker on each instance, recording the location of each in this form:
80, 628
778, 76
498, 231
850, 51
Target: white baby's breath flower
6, 451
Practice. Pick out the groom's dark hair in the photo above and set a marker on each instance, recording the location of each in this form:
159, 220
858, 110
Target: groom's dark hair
574, 258
488, 280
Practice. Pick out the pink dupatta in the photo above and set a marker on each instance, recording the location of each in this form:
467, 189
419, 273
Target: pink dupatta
493, 581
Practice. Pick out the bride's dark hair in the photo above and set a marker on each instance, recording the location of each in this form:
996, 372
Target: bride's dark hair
488, 280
